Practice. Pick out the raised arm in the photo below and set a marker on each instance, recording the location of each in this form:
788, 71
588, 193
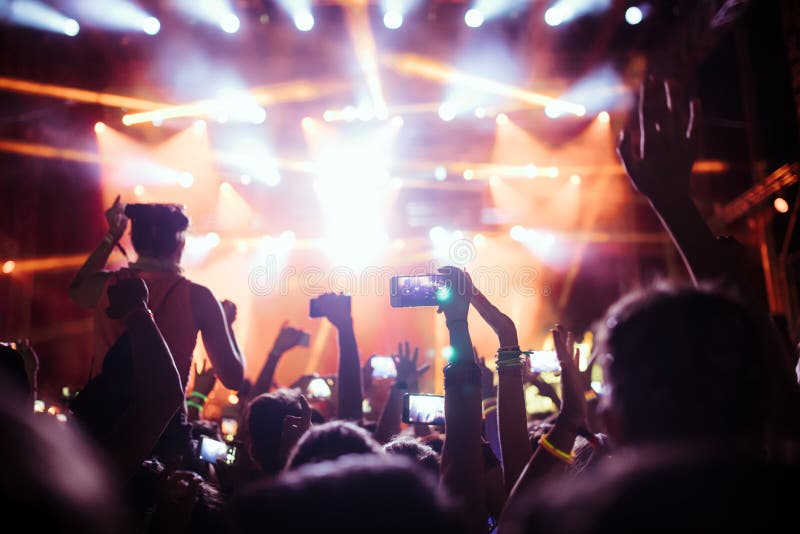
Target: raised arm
661, 168
407, 381
462, 457
157, 388
218, 336
348, 383
512, 419
287, 339
555, 449
87, 286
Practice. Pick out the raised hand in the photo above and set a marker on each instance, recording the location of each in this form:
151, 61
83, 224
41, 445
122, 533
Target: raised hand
573, 403
501, 323
454, 302
406, 365
668, 141
229, 308
30, 358
204, 379
287, 338
117, 220
336, 308
125, 296
294, 427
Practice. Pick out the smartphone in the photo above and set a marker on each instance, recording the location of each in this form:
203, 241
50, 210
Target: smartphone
318, 388
213, 451
422, 290
422, 408
229, 426
304, 340
383, 367
544, 361
317, 307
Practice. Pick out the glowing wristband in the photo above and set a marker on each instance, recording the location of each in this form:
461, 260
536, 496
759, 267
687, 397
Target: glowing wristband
561, 455
195, 405
590, 395
200, 395
488, 410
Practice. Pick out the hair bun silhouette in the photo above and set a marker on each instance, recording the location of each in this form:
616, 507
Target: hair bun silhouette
155, 228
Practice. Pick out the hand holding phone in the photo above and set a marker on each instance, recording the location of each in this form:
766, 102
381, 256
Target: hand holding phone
212, 451
288, 338
335, 307
422, 408
422, 290
544, 361
383, 367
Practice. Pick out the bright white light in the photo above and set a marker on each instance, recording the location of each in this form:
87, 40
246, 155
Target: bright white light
604, 117
349, 113
213, 239
151, 26
474, 18
438, 234
397, 121
229, 23
447, 111
365, 113
272, 177
71, 27
502, 119
99, 127
554, 16
553, 110
531, 171
199, 126
440, 173
245, 179
393, 20
186, 179
304, 21
575, 179
259, 115
480, 112
138, 190
633, 16
517, 233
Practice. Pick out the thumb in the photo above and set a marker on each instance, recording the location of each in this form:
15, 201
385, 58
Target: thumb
305, 409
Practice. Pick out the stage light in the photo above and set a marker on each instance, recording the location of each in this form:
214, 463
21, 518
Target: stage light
199, 126
99, 127
575, 179
448, 352
398, 244
303, 21
272, 177
233, 398
393, 20
633, 15
213, 239
151, 26
517, 233
438, 234
8, 266
447, 111
349, 113
35, 14
307, 122
397, 121
71, 27
245, 179
479, 240
469, 174
531, 171
329, 115
440, 173
186, 179
553, 172
557, 15
287, 239
474, 18
229, 23
480, 112
604, 117
781, 206
494, 180
502, 119
158, 122
225, 188
558, 108
365, 113
138, 190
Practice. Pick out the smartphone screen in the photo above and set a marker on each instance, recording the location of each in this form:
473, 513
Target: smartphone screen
318, 388
212, 451
423, 290
544, 361
383, 367
420, 408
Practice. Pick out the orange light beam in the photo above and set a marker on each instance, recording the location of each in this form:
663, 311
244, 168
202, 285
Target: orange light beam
265, 96
415, 65
364, 43
46, 151
79, 95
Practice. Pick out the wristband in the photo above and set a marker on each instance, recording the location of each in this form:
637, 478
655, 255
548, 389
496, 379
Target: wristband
200, 395
488, 401
566, 457
509, 348
194, 405
590, 395
488, 410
